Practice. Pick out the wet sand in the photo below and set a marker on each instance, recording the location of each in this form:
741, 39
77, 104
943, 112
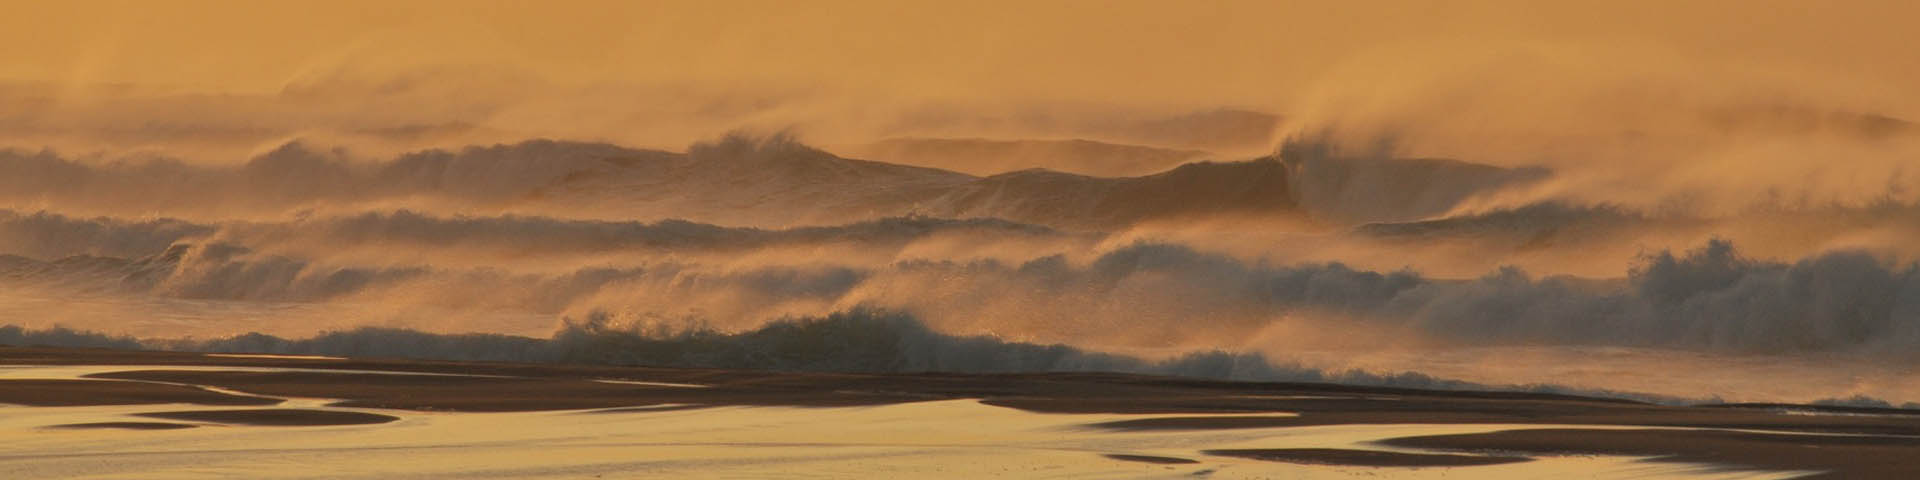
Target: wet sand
1364, 458
61, 393
279, 417
1841, 456
460, 393
1227, 418
1151, 459
124, 426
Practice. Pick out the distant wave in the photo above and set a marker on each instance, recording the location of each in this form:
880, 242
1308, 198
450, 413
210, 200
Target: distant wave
296, 176
980, 156
48, 235
771, 181
743, 180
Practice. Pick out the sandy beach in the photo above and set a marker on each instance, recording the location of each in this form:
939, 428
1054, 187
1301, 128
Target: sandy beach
256, 415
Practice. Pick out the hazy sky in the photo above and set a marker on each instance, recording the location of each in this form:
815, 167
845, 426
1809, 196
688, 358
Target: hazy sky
1235, 53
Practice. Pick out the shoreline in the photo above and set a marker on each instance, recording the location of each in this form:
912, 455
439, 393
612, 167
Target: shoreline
264, 391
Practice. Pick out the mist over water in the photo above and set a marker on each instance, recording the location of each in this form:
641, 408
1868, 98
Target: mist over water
1430, 197
1308, 264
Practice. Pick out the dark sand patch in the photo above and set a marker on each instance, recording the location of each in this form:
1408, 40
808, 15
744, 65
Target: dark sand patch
275, 417
499, 394
647, 409
1201, 423
1150, 459
1442, 410
123, 426
72, 393
525, 387
1817, 409
1837, 456
1062, 392
1363, 458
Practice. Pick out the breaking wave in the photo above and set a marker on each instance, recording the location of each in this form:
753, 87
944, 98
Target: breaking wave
1710, 297
857, 341
51, 235
922, 269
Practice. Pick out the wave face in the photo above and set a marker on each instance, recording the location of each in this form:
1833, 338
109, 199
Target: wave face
50, 235
1372, 188
985, 157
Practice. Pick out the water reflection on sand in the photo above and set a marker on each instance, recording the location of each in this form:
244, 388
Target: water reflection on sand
949, 438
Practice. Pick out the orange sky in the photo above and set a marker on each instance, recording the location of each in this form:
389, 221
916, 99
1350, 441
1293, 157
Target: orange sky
1239, 53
